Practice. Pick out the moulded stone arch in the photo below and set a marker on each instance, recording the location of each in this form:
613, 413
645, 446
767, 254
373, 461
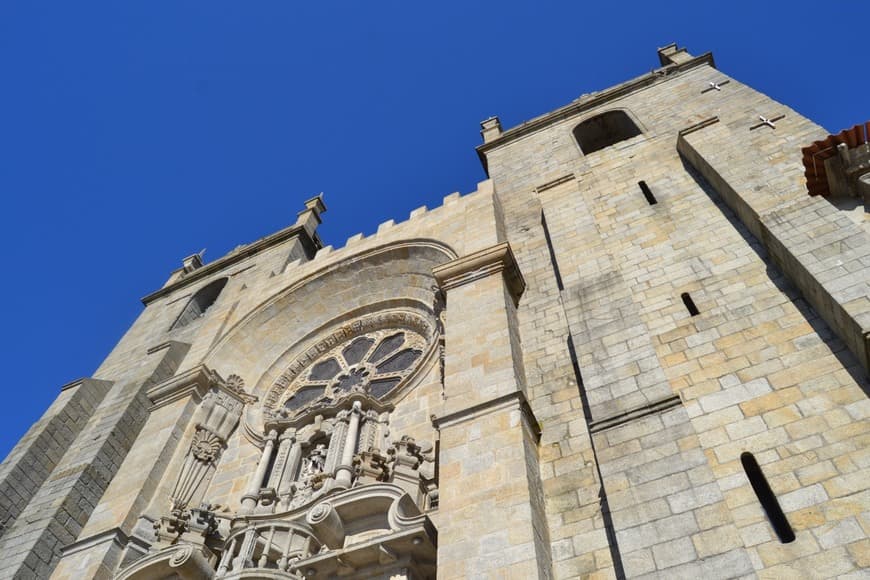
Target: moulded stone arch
200, 303
605, 128
395, 277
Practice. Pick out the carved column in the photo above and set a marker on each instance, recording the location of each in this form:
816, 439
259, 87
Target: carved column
249, 500
285, 491
336, 443
368, 432
488, 433
285, 442
344, 472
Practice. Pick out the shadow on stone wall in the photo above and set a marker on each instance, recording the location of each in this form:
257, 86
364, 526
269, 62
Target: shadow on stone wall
609, 528
818, 324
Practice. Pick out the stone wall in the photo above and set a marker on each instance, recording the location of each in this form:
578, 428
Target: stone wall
588, 424
757, 370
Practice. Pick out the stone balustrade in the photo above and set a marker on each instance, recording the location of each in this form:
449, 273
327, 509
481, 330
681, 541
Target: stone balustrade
266, 548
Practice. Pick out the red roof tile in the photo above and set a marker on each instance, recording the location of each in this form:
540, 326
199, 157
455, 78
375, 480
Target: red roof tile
814, 156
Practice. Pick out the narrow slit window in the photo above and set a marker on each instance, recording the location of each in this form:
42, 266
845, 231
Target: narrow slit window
647, 193
690, 304
766, 497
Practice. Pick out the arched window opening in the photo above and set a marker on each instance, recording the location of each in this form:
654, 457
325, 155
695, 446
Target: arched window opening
765, 495
604, 130
200, 303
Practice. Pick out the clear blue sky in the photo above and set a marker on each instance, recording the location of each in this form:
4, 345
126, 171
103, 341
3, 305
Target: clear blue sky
133, 134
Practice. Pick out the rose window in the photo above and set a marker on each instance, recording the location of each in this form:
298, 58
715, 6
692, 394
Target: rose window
374, 363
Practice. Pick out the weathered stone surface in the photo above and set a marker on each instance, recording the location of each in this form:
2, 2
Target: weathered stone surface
583, 350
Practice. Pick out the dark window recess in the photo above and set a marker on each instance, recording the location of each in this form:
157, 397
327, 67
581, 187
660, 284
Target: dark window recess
381, 387
200, 302
323, 371
552, 252
388, 345
690, 304
399, 362
604, 130
768, 500
650, 198
302, 397
355, 352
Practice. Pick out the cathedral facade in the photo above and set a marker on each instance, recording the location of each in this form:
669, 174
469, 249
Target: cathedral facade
639, 349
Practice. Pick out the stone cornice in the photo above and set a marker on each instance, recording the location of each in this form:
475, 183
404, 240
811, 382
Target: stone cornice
84, 381
480, 264
114, 535
311, 245
555, 183
515, 399
590, 102
658, 406
195, 382
697, 126
166, 345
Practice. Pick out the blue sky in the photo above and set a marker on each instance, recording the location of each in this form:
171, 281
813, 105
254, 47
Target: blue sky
133, 134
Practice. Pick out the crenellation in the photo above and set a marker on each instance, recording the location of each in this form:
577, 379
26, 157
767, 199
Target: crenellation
354, 239
322, 253
452, 198
386, 225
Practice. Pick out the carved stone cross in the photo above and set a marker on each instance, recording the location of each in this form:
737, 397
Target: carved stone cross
767, 122
715, 86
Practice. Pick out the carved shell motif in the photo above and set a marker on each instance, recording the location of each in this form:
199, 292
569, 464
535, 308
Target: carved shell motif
205, 445
236, 383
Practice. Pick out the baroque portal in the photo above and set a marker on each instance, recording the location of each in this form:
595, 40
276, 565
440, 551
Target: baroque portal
335, 491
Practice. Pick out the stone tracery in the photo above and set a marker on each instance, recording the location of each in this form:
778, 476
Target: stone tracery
379, 325
375, 362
